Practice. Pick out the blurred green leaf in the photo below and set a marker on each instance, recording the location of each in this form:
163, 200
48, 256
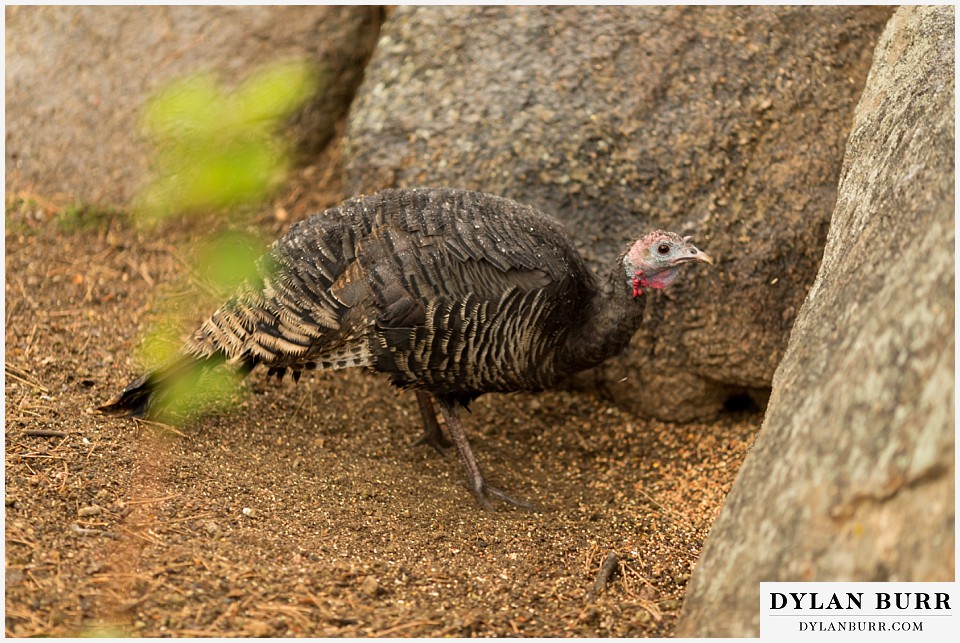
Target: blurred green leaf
198, 389
161, 341
196, 392
229, 259
214, 149
184, 108
273, 92
218, 149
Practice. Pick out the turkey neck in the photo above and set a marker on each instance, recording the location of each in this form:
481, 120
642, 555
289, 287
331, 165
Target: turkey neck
608, 321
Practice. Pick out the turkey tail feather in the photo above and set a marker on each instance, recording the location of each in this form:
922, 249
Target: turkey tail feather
137, 399
133, 400
144, 396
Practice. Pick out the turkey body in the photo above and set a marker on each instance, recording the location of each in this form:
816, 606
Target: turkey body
458, 293
450, 292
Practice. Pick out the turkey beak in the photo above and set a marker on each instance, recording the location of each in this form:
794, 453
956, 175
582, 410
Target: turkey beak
700, 255
696, 254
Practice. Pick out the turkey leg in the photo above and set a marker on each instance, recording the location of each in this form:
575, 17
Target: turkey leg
478, 485
432, 434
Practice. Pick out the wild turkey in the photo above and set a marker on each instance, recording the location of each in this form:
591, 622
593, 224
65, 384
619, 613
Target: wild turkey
449, 292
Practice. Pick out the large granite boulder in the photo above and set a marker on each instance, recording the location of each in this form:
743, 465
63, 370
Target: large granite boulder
852, 475
725, 123
77, 77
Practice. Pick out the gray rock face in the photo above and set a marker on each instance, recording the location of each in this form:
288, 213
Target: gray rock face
852, 476
76, 78
728, 124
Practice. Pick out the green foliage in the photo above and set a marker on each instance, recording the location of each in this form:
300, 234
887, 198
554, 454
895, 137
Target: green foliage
197, 390
161, 341
214, 149
228, 259
217, 149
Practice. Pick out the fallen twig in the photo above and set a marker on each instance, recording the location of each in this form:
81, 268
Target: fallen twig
20, 376
160, 425
148, 501
130, 532
45, 433
610, 565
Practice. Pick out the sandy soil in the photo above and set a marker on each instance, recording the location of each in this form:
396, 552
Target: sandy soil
302, 511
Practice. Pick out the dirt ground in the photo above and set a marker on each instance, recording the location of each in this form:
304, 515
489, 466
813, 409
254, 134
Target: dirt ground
302, 511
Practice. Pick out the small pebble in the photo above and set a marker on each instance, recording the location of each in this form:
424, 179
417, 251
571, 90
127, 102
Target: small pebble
91, 510
258, 629
369, 586
248, 512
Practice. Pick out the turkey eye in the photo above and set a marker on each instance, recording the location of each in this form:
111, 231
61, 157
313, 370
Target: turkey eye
663, 248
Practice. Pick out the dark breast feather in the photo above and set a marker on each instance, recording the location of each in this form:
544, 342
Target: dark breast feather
488, 284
